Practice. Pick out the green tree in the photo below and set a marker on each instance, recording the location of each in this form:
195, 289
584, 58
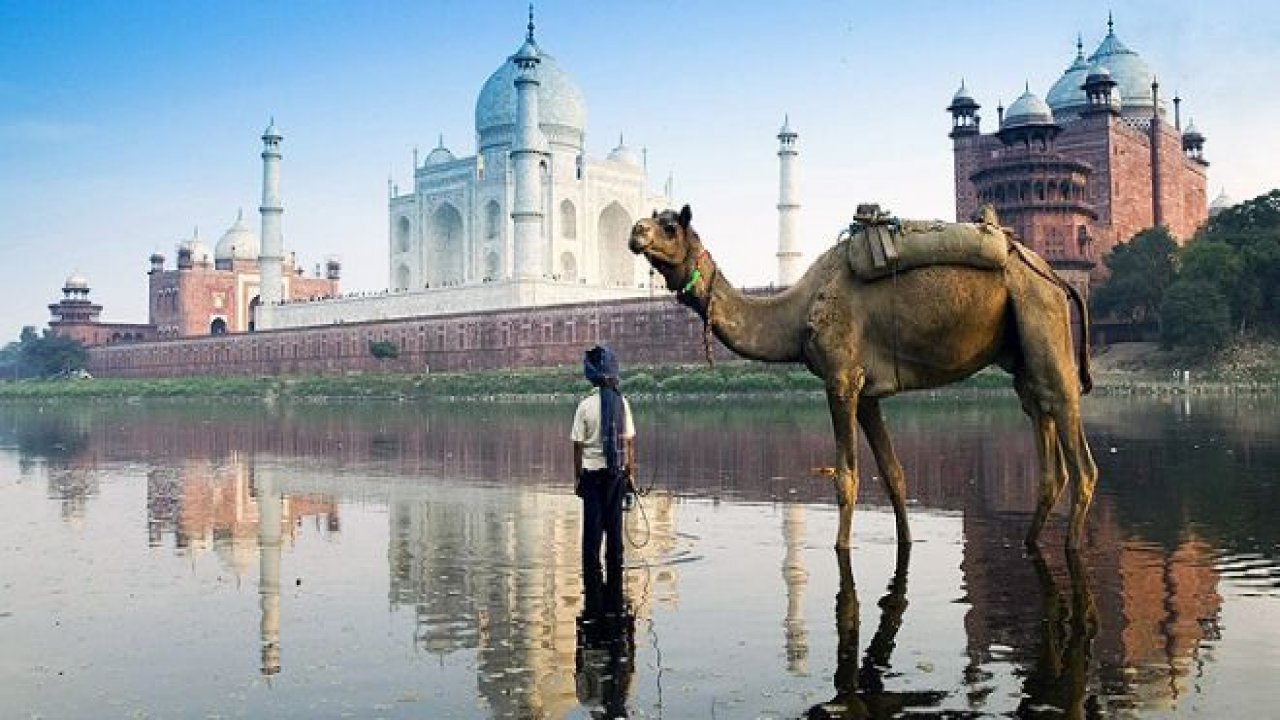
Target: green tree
1252, 230
1141, 270
1222, 265
383, 349
1195, 315
48, 355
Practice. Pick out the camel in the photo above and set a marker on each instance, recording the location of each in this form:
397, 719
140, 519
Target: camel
922, 328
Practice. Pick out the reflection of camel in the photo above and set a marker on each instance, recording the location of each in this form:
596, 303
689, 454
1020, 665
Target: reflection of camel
918, 329
1060, 677
860, 691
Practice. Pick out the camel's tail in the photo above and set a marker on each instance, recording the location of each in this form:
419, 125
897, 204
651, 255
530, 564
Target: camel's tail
1046, 272
1086, 377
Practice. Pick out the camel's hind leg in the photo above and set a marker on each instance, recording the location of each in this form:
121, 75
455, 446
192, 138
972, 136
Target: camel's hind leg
895, 482
1079, 461
1053, 473
1050, 385
842, 399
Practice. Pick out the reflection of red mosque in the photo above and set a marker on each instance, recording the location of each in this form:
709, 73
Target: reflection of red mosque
1167, 598
215, 506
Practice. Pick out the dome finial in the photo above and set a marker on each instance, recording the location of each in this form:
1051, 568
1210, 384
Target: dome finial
440, 141
529, 37
1080, 46
1111, 24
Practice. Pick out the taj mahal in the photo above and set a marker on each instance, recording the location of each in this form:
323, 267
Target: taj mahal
528, 220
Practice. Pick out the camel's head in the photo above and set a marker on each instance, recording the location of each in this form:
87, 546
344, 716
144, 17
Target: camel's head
667, 240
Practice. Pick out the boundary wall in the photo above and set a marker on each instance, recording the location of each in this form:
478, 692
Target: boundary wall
642, 331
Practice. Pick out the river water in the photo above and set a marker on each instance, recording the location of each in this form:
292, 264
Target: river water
414, 561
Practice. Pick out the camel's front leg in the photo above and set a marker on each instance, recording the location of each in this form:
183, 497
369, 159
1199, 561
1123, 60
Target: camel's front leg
871, 419
842, 399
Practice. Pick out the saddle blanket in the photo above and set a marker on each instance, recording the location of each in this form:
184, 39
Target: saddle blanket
879, 250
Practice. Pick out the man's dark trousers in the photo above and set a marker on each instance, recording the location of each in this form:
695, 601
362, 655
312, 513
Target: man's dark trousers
602, 492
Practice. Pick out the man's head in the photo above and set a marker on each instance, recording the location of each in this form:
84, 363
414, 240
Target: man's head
600, 366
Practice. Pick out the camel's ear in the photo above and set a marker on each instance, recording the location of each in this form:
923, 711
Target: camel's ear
686, 216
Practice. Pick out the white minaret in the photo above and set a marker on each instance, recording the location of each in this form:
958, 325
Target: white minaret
790, 263
271, 252
270, 534
527, 152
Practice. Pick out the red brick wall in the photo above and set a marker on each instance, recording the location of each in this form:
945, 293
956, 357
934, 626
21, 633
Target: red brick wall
641, 331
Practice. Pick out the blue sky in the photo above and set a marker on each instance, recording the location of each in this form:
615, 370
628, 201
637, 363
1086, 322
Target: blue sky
125, 125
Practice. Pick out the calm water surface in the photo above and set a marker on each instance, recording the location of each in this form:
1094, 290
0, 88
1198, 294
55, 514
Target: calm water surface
191, 560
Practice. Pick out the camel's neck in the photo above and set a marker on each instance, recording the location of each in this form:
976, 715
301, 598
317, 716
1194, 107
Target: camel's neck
769, 328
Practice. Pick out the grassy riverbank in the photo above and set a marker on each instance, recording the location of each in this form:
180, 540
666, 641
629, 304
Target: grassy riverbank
725, 379
1133, 368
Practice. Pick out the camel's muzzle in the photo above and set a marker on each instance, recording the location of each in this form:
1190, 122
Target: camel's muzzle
639, 241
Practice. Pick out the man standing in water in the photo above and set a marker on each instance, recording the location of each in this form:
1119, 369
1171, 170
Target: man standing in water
603, 461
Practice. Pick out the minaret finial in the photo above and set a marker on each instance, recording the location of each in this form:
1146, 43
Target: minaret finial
1111, 24
1079, 46
529, 37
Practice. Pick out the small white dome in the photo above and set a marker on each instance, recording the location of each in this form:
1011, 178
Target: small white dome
625, 155
76, 281
1220, 203
963, 98
237, 243
439, 156
198, 251
1027, 110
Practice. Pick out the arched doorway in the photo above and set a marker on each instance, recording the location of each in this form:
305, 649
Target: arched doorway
568, 267
445, 246
403, 278
253, 312
617, 264
404, 236
218, 327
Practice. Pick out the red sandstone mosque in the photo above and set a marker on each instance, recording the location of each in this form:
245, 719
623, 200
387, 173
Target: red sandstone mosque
1087, 167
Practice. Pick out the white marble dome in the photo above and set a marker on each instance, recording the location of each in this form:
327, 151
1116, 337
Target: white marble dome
76, 281
237, 243
562, 111
1129, 71
1027, 110
1068, 91
439, 156
625, 155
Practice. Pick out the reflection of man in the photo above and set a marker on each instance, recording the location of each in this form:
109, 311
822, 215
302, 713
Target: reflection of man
606, 653
603, 461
